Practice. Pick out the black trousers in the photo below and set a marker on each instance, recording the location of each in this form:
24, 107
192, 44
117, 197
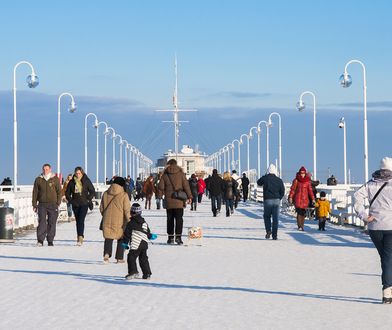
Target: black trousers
174, 216
140, 253
80, 213
47, 219
108, 247
245, 193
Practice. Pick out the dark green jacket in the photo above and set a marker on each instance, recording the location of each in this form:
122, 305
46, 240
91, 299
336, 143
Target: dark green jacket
46, 191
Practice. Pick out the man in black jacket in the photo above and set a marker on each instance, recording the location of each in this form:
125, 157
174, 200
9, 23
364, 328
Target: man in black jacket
273, 192
245, 187
215, 189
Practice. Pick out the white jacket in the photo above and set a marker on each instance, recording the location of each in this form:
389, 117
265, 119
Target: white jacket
381, 208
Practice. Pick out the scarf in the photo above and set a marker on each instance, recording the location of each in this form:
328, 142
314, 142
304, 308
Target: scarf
47, 177
302, 179
78, 185
383, 175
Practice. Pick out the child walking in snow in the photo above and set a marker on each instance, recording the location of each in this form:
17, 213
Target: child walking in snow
137, 233
323, 210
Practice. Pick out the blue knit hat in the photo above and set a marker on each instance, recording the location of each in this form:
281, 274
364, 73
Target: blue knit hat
136, 209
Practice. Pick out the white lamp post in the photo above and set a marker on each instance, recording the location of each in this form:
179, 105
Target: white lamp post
106, 133
301, 107
247, 137
71, 109
280, 139
342, 124
85, 143
258, 145
346, 81
113, 150
32, 81
251, 136
120, 157
230, 145
126, 156
239, 154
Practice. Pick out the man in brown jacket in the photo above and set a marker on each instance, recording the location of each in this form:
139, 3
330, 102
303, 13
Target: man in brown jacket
174, 179
46, 201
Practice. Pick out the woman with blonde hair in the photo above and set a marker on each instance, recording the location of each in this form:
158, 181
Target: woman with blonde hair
229, 192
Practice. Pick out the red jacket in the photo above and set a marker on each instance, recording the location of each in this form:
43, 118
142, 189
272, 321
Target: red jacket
201, 185
301, 191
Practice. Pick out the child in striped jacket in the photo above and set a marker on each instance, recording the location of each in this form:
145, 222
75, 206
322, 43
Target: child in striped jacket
138, 234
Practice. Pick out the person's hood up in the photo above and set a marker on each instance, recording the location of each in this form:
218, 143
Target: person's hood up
382, 175
115, 189
173, 169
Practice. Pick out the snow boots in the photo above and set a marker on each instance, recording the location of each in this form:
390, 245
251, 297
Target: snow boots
80, 241
300, 222
387, 296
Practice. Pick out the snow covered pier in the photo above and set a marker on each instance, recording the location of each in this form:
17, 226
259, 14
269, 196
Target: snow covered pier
235, 280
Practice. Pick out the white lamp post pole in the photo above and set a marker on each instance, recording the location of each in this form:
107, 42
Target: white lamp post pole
258, 145
301, 107
120, 157
32, 82
72, 109
247, 146
346, 81
105, 148
85, 140
251, 136
113, 150
342, 124
280, 139
239, 153
126, 157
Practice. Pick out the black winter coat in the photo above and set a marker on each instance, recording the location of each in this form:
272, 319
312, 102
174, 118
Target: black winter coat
229, 189
245, 183
273, 187
215, 185
80, 199
194, 187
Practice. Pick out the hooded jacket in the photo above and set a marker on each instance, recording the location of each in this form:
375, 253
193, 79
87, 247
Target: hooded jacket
176, 182
381, 208
215, 185
301, 191
83, 198
115, 209
46, 191
136, 231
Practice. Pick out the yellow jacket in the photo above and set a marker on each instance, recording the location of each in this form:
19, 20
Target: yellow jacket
323, 208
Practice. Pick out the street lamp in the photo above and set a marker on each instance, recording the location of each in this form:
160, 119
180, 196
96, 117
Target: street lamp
251, 136
71, 109
342, 124
239, 153
32, 82
258, 145
346, 81
106, 133
280, 139
229, 145
126, 156
120, 158
301, 107
96, 124
113, 150
247, 137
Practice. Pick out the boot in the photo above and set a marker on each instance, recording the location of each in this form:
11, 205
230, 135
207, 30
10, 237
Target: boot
179, 240
387, 296
80, 241
298, 221
302, 222
170, 239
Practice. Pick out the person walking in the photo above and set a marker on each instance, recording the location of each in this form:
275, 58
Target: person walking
46, 200
194, 190
174, 181
323, 210
215, 186
236, 177
273, 192
115, 209
158, 200
378, 193
300, 192
80, 193
63, 190
201, 185
148, 190
229, 192
245, 186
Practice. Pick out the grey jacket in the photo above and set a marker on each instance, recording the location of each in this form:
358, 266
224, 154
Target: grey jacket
381, 208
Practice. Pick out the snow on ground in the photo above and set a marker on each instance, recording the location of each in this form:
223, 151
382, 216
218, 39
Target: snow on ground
235, 280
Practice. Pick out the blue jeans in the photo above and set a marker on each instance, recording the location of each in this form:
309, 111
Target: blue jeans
271, 208
216, 203
229, 206
382, 240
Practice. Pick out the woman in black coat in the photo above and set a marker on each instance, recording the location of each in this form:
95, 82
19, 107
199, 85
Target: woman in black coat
229, 192
80, 192
194, 191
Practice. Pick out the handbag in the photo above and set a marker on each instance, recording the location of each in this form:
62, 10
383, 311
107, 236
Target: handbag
101, 223
90, 205
179, 193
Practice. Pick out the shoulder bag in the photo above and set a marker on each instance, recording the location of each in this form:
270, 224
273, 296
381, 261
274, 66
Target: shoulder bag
179, 193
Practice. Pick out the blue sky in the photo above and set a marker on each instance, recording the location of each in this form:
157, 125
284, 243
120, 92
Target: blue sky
237, 61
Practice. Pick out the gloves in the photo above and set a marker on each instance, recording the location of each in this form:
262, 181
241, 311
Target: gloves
153, 237
125, 246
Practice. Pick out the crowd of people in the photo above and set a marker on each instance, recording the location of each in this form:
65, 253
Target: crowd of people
123, 222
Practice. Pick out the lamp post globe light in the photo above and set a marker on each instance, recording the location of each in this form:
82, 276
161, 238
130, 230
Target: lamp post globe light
342, 124
258, 145
346, 81
71, 109
301, 108
280, 139
96, 124
32, 82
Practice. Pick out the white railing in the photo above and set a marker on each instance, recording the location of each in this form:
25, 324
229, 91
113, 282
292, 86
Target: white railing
341, 198
21, 202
